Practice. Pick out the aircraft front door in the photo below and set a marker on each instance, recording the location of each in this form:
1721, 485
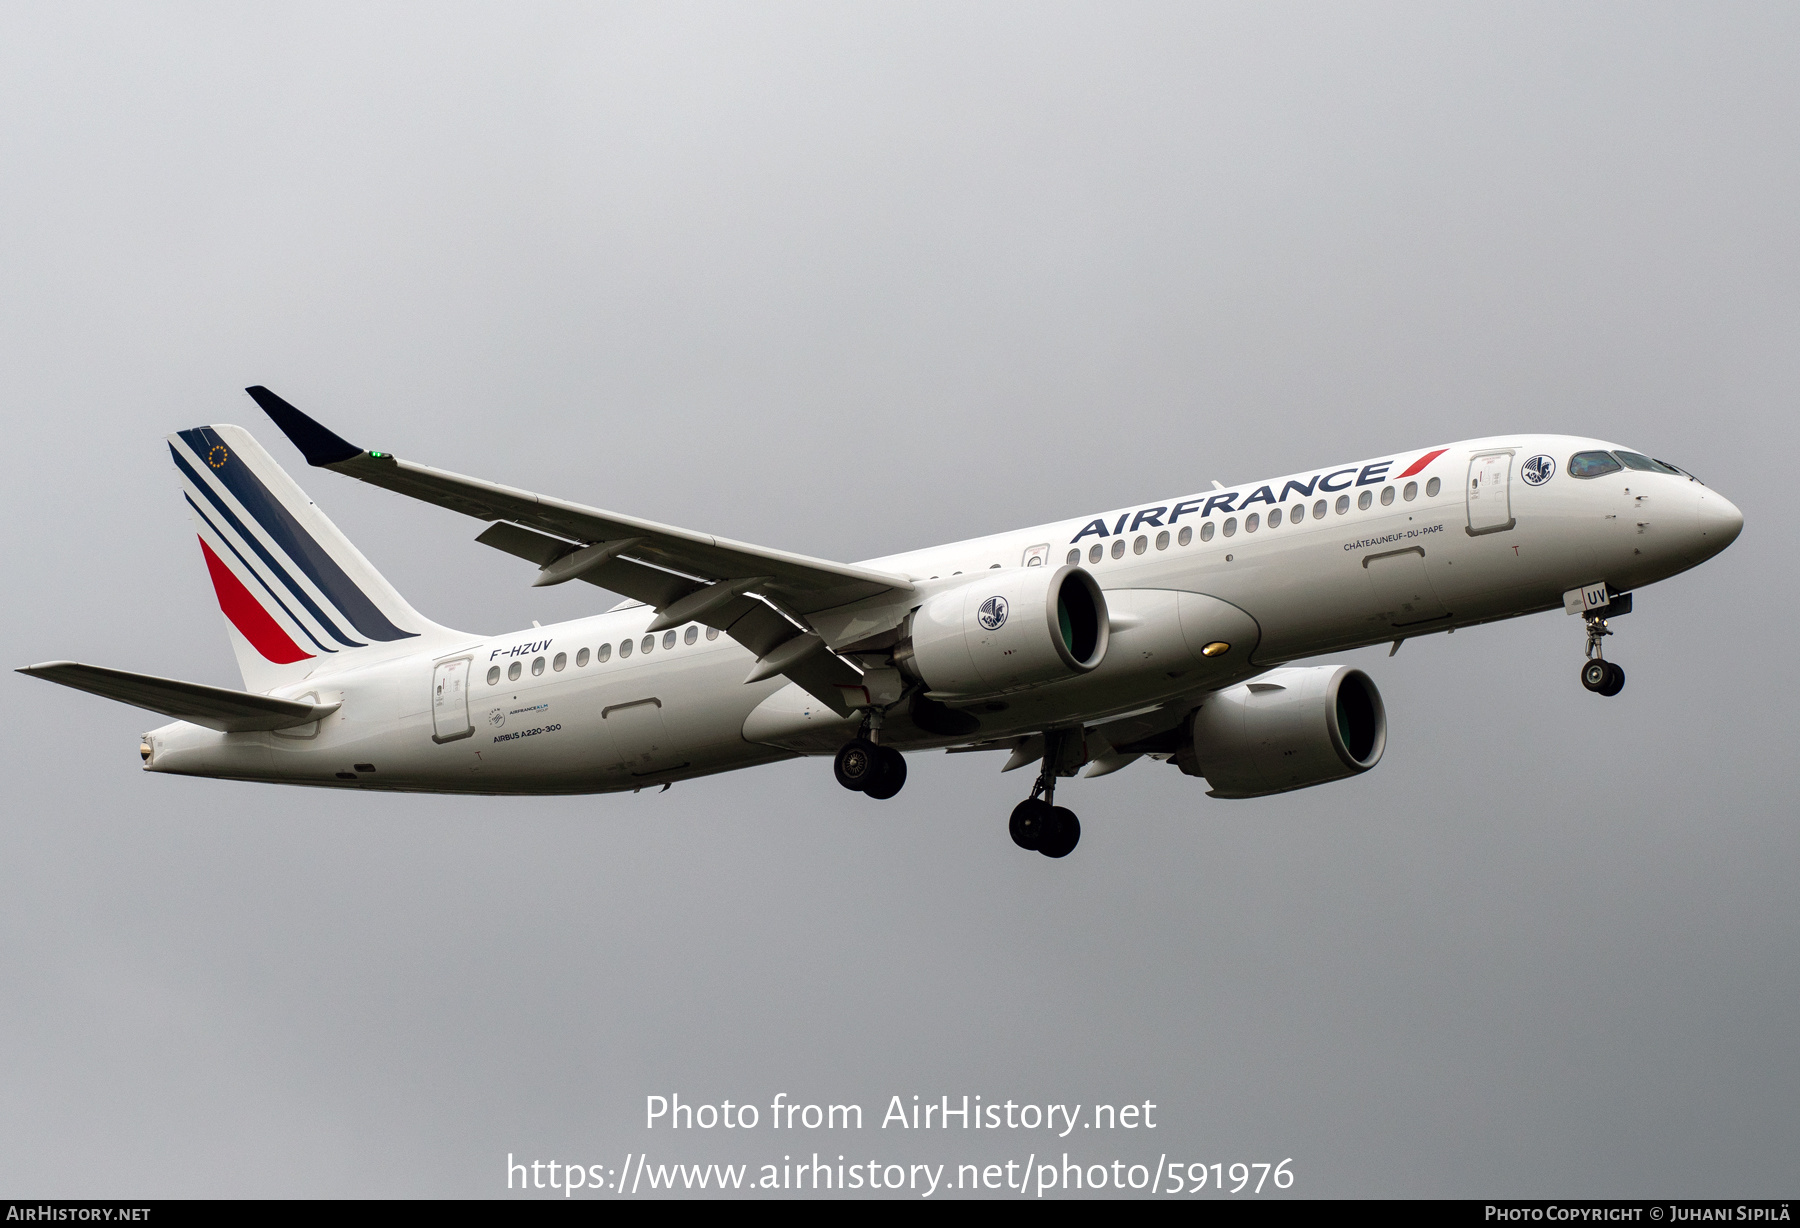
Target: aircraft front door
1490, 502
450, 701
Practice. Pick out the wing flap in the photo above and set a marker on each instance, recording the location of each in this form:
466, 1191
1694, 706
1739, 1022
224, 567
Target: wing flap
803, 584
808, 584
752, 623
214, 707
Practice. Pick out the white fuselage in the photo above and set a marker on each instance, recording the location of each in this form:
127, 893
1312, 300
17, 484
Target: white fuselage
1283, 592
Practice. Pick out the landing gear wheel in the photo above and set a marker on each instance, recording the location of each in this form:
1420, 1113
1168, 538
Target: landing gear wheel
889, 775
1030, 819
1602, 677
1062, 834
856, 765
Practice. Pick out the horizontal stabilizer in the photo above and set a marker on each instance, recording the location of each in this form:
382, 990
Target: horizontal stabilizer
212, 706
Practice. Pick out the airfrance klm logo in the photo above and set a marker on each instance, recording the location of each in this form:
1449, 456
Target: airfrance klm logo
1372, 474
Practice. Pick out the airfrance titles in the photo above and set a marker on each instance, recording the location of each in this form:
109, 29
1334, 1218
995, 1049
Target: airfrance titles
1372, 474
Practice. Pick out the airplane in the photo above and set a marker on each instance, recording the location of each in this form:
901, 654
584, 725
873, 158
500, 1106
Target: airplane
1162, 631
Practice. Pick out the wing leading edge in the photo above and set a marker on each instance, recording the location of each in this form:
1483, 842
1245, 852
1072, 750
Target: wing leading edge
685, 576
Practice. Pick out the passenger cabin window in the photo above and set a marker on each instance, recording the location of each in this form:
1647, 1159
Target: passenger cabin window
1319, 510
1206, 531
1411, 492
648, 644
1252, 522
1592, 464
1074, 556
1186, 535
668, 639
1387, 495
1118, 548
1363, 500
1162, 540
712, 633
1275, 518
581, 659
1094, 552
1230, 525
537, 666
1343, 504
494, 676
692, 633
1432, 487
624, 649
1140, 545
603, 654
514, 670
561, 662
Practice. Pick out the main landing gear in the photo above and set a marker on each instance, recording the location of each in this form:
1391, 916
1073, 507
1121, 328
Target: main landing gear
1597, 673
865, 767
1038, 823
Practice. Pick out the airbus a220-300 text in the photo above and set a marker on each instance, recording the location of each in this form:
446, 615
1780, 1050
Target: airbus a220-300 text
1160, 632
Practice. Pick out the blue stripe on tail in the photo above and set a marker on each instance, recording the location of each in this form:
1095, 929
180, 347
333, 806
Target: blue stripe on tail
207, 521
262, 553
300, 545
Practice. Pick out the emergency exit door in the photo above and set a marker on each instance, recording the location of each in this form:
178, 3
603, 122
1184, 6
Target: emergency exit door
1490, 500
450, 701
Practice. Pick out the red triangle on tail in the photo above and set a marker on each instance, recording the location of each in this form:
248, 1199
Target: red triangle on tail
248, 616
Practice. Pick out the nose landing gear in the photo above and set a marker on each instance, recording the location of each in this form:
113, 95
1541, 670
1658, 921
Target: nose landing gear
1602, 677
1038, 823
1597, 673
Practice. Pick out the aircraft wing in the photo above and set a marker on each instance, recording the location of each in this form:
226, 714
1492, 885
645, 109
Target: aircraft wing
686, 576
212, 706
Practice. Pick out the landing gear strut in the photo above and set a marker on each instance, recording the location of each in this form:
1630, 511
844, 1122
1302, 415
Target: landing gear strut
1597, 673
1038, 823
865, 766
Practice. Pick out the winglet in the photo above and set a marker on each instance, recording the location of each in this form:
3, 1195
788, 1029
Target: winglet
318, 445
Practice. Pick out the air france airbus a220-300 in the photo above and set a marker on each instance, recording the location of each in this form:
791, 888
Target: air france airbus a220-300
1159, 631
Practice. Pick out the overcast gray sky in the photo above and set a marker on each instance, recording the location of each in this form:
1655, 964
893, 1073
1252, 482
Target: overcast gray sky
849, 280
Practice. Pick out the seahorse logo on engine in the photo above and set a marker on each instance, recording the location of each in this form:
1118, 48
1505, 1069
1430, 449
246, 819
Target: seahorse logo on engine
993, 613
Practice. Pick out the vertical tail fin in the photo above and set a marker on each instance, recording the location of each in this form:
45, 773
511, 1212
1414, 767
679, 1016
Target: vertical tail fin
296, 595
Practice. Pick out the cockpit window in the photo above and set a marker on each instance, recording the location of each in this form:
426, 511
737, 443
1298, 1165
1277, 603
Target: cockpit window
1637, 460
1592, 464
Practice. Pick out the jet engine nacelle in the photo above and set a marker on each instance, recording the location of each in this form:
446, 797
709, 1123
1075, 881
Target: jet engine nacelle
1287, 729
1006, 630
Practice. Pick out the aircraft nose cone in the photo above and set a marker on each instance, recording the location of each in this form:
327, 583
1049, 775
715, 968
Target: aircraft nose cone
1717, 523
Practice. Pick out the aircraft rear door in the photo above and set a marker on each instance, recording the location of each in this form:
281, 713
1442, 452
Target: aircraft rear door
1490, 502
450, 701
